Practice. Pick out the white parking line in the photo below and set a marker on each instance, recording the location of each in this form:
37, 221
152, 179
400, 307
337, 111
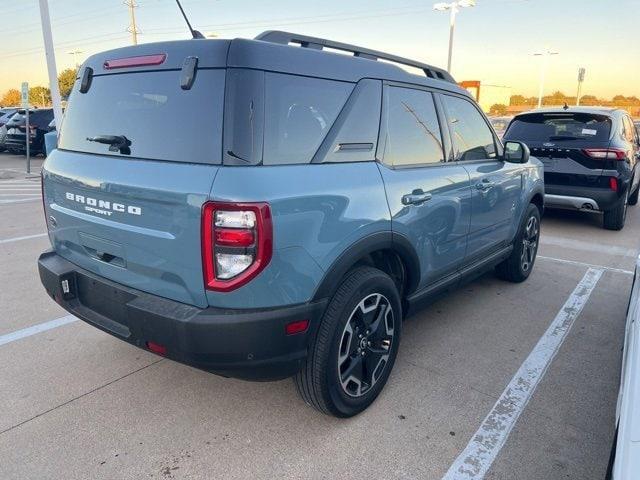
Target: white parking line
19, 194
583, 264
39, 328
26, 237
474, 462
587, 246
22, 200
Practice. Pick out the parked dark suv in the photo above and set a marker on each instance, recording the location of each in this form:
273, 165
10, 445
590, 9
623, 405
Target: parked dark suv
39, 120
589, 155
261, 210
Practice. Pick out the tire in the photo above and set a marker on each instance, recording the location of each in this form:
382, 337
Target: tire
614, 219
518, 266
633, 198
346, 370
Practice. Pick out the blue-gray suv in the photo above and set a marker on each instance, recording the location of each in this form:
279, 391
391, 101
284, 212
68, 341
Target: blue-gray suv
270, 208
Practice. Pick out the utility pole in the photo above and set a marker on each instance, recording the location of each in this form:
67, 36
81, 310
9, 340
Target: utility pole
133, 28
581, 72
543, 70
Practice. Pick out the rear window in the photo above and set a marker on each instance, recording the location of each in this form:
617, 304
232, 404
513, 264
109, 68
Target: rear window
560, 126
40, 118
162, 121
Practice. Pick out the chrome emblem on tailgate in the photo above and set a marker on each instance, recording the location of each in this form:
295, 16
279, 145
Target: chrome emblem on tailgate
103, 207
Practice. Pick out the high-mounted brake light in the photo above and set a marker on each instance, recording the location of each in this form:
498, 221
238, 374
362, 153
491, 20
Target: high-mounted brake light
606, 153
140, 61
237, 243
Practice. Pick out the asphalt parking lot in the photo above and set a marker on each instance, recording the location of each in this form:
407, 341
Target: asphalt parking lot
518, 380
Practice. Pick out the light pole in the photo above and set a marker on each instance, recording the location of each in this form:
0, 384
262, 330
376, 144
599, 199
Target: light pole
453, 7
45, 20
543, 70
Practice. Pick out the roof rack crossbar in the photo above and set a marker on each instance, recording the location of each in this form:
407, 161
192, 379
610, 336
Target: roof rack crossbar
286, 38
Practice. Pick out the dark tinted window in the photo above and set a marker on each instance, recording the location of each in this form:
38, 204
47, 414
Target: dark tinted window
472, 137
412, 130
552, 127
298, 114
354, 134
40, 118
162, 121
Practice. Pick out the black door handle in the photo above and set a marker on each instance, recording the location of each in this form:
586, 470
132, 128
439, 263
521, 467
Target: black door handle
415, 198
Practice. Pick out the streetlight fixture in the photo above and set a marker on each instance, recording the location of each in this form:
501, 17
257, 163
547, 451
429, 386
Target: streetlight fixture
543, 70
453, 7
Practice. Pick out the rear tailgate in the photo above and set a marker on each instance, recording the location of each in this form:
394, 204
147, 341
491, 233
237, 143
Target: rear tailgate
559, 140
134, 222
133, 214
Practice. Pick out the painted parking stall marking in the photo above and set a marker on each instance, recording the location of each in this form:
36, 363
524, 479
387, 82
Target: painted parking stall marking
19, 191
483, 448
19, 239
35, 329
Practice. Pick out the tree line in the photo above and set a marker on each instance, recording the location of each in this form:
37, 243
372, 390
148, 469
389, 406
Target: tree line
41, 96
559, 98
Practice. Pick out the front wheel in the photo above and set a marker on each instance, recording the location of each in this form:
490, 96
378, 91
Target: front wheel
517, 267
356, 345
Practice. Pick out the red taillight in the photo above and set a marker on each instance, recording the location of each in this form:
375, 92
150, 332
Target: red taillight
237, 243
299, 326
139, 61
157, 348
606, 153
234, 237
613, 184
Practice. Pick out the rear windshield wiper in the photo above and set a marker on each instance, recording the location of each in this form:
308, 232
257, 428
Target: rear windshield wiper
564, 137
117, 143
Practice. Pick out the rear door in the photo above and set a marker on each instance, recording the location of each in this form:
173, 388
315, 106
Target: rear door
561, 141
429, 198
131, 211
496, 185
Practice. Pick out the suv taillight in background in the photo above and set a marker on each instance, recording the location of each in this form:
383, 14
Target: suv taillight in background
237, 243
606, 153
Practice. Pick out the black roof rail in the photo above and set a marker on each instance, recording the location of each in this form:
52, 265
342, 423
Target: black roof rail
286, 38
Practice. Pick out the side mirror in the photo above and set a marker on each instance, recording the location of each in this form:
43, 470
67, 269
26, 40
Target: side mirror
516, 152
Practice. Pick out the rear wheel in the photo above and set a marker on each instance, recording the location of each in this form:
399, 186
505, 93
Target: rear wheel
517, 267
356, 345
614, 219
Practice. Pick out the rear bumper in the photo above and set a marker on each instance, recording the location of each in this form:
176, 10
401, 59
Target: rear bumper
18, 143
247, 344
580, 198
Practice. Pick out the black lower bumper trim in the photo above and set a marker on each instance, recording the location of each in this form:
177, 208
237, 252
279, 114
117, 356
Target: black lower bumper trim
247, 344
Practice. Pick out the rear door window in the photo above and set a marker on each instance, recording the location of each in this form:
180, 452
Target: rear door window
162, 121
472, 138
560, 127
413, 134
299, 111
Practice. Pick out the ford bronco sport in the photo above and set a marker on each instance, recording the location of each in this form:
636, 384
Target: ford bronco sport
263, 208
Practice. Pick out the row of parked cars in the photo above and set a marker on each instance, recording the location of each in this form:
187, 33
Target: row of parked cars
13, 129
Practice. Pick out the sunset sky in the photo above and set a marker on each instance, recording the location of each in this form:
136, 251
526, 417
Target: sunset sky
494, 41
